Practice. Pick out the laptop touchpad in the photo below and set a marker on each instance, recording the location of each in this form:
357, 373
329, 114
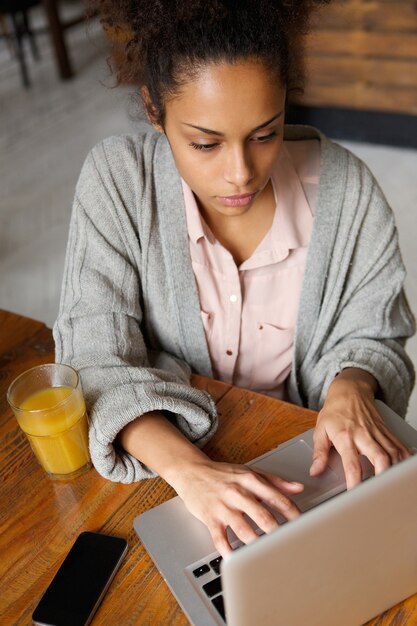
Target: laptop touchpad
293, 462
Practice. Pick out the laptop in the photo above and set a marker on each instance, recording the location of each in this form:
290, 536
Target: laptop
342, 562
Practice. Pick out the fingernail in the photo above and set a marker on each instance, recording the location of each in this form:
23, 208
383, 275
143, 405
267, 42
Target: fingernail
315, 466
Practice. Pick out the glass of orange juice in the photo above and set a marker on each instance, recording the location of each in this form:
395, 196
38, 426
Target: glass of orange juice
49, 406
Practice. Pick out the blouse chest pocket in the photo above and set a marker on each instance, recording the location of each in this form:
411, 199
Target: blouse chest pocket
272, 356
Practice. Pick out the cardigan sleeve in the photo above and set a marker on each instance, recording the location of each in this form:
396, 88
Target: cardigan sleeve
98, 330
364, 306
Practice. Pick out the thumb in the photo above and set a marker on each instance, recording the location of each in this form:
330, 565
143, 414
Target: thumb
322, 445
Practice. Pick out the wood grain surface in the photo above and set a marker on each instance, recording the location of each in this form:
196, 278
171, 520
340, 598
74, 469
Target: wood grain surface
363, 54
40, 519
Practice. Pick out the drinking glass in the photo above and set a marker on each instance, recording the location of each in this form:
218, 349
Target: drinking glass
49, 406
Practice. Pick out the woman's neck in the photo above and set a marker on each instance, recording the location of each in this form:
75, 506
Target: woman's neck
242, 234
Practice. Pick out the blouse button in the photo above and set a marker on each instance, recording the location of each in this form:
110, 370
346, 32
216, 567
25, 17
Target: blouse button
233, 298
229, 352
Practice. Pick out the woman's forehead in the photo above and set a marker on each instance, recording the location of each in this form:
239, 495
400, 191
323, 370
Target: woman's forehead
226, 93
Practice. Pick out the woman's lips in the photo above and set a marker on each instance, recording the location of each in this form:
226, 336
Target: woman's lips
239, 200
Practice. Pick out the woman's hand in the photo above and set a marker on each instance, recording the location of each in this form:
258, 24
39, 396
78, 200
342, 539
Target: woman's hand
222, 494
218, 494
349, 421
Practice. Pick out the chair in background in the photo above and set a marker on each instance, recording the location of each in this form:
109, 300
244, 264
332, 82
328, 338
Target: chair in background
5, 34
18, 12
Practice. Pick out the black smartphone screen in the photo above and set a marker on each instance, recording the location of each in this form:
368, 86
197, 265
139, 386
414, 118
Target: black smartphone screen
81, 581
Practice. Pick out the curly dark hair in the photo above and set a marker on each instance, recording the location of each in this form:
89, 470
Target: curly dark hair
168, 41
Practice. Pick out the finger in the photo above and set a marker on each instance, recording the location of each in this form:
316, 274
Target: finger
395, 448
373, 446
402, 452
241, 527
263, 490
393, 453
350, 460
287, 486
322, 445
377, 447
379, 458
220, 540
257, 512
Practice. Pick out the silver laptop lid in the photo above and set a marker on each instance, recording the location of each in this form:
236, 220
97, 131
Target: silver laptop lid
341, 563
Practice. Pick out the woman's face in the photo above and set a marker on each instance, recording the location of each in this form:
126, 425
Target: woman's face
226, 130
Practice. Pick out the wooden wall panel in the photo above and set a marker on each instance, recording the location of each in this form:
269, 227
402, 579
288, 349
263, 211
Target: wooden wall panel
364, 97
363, 44
363, 54
382, 16
336, 70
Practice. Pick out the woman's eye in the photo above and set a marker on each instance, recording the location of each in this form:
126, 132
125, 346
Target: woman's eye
264, 138
203, 146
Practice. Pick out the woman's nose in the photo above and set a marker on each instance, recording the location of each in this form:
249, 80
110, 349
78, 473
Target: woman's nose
238, 168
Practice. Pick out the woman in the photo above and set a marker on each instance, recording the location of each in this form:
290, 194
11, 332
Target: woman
222, 242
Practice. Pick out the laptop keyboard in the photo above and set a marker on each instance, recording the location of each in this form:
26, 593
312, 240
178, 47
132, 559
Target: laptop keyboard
208, 580
212, 588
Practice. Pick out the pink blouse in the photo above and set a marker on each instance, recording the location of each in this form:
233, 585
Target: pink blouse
249, 312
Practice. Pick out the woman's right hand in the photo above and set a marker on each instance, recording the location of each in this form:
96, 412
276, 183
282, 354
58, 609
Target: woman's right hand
218, 494
221, 494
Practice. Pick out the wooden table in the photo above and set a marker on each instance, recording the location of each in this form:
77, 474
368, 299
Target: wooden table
40, 518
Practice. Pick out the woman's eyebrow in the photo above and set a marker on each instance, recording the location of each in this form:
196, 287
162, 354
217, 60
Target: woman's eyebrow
208, 131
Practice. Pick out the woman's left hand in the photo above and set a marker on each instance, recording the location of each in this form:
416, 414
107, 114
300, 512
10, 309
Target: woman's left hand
349, 421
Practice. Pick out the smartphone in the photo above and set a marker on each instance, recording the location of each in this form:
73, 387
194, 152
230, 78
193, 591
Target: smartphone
81, 582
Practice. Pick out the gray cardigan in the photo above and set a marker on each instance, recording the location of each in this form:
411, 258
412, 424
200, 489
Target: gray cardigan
130, 319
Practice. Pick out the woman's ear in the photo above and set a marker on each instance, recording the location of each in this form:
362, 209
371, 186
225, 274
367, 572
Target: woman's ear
150, 109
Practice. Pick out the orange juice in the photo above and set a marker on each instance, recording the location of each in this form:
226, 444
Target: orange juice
55, 421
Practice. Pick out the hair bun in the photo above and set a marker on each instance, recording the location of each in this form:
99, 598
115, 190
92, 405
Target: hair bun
167, 40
